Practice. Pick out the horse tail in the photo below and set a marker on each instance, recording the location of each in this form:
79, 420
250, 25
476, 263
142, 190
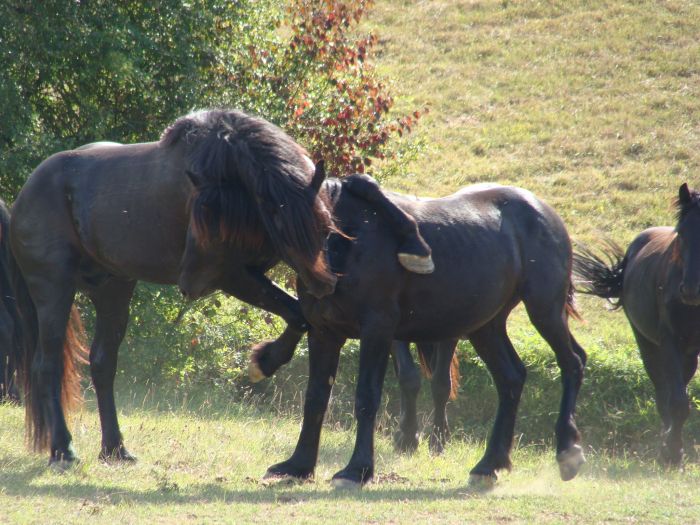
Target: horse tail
454, 375
13, 356
601, 275
425, 354
74, 352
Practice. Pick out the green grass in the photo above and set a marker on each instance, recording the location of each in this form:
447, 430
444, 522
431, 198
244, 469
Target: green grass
595, 107
203, 465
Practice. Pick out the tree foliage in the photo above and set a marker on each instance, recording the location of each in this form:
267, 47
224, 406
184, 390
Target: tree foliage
79, 71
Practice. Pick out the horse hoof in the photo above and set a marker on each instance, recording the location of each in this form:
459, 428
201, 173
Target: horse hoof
482, 481
570, 462
271, 479
345, 484
121, 455
405, 443
255, 374
422, 264
63, 465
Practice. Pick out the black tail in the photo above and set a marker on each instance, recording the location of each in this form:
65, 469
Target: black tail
11, 351
601, 275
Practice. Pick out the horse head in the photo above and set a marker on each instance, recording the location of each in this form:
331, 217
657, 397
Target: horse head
225, 227
255, 186
688, 244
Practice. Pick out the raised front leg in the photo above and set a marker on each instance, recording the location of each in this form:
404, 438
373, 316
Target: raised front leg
414, 253
324, 350
406, 438
111, 301
375, 344
252, 286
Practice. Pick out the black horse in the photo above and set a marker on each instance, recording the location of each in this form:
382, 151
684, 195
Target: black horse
493, 247
10, 334
657, 284
100, 218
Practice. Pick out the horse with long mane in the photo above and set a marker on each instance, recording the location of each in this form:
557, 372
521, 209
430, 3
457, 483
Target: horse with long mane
657, 284
102, 217
492, 247
10, 325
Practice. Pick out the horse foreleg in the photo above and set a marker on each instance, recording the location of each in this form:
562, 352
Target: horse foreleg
375, 343
111, 301
441, 388
406, 438
255, 288
495, 349
324, 351
677, 401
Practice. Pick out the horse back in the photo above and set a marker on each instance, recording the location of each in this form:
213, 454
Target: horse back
485, 243
121, 207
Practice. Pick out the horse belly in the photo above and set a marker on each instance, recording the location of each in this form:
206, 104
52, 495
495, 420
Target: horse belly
133, 226
458, 302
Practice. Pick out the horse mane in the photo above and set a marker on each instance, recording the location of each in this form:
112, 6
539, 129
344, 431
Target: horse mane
684, 208
253, 184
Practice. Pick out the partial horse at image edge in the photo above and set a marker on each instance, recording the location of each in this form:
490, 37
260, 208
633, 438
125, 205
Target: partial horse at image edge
656, 281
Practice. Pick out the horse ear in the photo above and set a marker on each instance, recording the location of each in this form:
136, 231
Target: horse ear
684, 194
195, 178
319, 176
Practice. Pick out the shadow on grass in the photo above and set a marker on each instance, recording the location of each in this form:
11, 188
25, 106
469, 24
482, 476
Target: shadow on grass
30, 479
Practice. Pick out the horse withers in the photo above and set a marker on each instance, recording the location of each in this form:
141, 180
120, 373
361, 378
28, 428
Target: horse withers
492, 248
657, 284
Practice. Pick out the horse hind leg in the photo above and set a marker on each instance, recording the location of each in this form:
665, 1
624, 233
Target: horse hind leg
493, 346
48, 393
111, 301
442, 387
406, 438
550, 318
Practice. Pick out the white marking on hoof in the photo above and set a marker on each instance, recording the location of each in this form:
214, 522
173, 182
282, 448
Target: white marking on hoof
482, 481
254, 373
417, 263
345, 484
570, 462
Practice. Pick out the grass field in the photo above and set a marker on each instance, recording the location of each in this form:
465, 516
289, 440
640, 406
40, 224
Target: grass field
595, 107
202, 465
